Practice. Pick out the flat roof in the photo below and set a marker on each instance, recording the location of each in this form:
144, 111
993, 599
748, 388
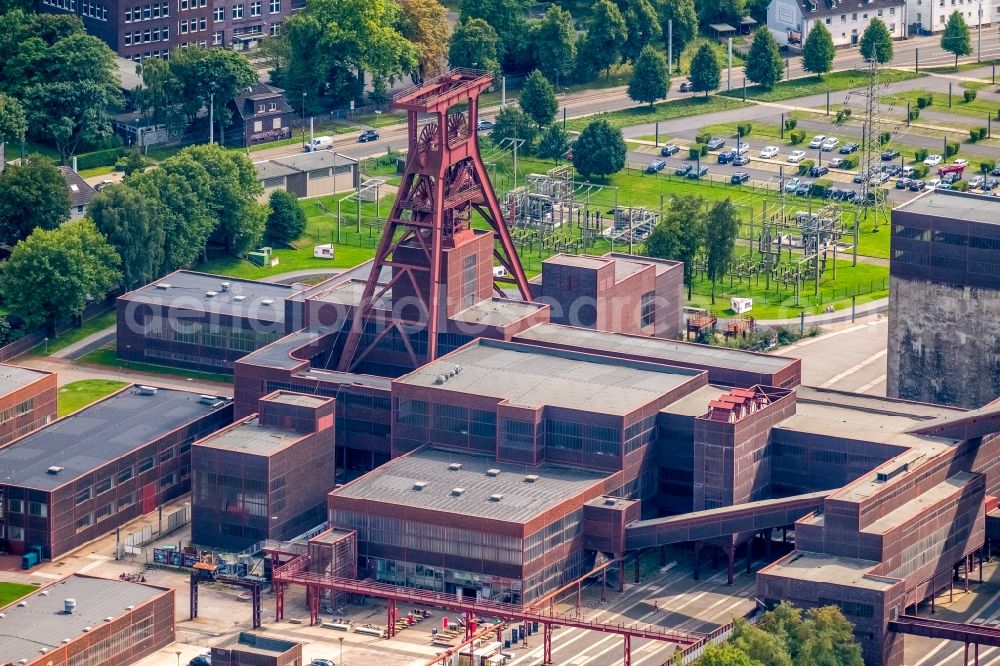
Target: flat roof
188, 290
497, 312
393, 483
533, 377
13, 378
820, 568
272, 169
43, 623
696, 402
918, 505
256, 644
250, 436
96, 435
955, 205
578, 261
278, 354
659, 349
300, 399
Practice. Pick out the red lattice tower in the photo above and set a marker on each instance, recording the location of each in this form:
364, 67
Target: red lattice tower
443, 183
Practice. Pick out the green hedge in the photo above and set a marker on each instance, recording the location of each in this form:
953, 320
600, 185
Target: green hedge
925, 101
797, 136
842, 116
960, 185
977, 134
987, 166
850, 163
914, 114
805, 166
920, 154
697, 150
820, 187
702, 138
952, 148
969, 95
920, 170
744, 129
99, 158
884, 138
792, 122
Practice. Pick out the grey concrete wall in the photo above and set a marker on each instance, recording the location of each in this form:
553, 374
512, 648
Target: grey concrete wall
944, 343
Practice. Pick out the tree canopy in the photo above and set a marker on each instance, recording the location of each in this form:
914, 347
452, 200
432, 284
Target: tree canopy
554, 143
764, 64
606, 34
600, 150
508, 19
817, 52
955, 38
32, 196
425, 24
685, 23
204, 75
286, 221
705, 75
538, 99
514, 124
721, 227
554, 43
54, 273
642, 25
13, 123
876, 42
128, 219
649, 81
475, 44
679, 234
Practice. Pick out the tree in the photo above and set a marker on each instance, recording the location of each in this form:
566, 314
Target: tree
234, 193
514, 124
721, 11
606, 33
649, 80
286, 221
128, 219
817, 52
538, 99
679, 234
554, 143
32, 196
764, 64
642, 25
721, 228
685, 23
600, 150
828, 639
134, 162
955, 38
13, 123
554, 43
768, 649
211, 77
705, 75
725, 655
475, 44
425, 24
876, 42
508, 19
159, 93
52, 274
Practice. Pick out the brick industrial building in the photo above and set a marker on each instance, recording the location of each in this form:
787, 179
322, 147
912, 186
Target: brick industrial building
87, 620
88, 473
28, 400
944, 299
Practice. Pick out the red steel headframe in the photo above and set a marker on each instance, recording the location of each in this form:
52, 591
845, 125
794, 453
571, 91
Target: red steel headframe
443, 183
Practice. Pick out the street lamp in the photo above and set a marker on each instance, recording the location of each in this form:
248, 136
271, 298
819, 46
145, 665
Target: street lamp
178, 653
341, 639
304, 119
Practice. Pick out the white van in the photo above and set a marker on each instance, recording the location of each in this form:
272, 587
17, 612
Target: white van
320, 143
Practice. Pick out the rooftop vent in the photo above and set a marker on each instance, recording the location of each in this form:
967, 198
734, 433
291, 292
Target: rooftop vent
493, 471
69, 605
239, 299
67, 640
86, 629
147, 390
55, 469
43, 650
496, 497
224, 286
419, 485
440, 379
882, 477
267, 301
163, 285
129, 607
210, 294
108, 619
610, 501
457, 491
454, 467
530, 478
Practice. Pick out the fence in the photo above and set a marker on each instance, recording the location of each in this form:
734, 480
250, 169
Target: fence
693, 652
165, 525
33, 339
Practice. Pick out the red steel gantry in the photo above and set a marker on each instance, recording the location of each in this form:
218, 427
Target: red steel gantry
443, 183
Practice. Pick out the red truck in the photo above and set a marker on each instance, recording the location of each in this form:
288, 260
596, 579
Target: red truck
951, 168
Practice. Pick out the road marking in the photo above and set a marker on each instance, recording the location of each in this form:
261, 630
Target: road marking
872, 384
850, 371
818, 338
92, 565
944, 644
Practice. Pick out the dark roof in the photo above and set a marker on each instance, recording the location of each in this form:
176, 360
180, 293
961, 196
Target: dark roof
80, 192
963, 206
13, 378
834, 7
96, 435
244, 102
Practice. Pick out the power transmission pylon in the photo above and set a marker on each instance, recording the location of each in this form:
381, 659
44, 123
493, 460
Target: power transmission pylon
872, 200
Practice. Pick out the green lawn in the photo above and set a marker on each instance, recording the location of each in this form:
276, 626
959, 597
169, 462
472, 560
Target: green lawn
950, 69
96, 171
76, 395
815, 85
11, 592
107, 357
977, 108
721, 54
678, 108
66, 338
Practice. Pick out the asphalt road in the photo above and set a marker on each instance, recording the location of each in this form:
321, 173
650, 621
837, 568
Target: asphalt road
852, 357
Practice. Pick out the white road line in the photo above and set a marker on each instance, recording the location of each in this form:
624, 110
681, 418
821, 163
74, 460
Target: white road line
872, 384
944, 644
664, 645
850, 371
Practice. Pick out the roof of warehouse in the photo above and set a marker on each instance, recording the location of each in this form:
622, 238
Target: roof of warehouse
13, 377
252, 437
96, 435
43, 623
529, 376
520, 501
955, 205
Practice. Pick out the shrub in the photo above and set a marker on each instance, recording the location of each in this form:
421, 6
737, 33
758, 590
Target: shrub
920, 170
697, 150
820, 187
986, 166
914, 114
984, 133
961, 185
925, 101
951, 148
792, 122
702, 138
797, 136
969, 95
884, 138
920, 154
804, 167
973, 135
842, 115
850, 162
744, 129
99, 158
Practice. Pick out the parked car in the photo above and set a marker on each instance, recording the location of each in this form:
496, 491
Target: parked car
996, 171
836, 163
933, 160
893, 170
792, 184
848, 148
741, 160
101, 185
917, 185
656, 166
902, 183
739, 178
907, 171
727, 157
320, 143
832, 193
670, 149
849, 196
890, 154
716, 143
796, 156
830, 144
859, 177
767, 152
817, 141
742, 148
961, 162
698, 173
202, 660
976, 182
818, 171
368, 135
990, 184
951, 177
946, 186
686, 87
321, 662
683, 169
804, 188
484, 125
881, 178
933, 183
